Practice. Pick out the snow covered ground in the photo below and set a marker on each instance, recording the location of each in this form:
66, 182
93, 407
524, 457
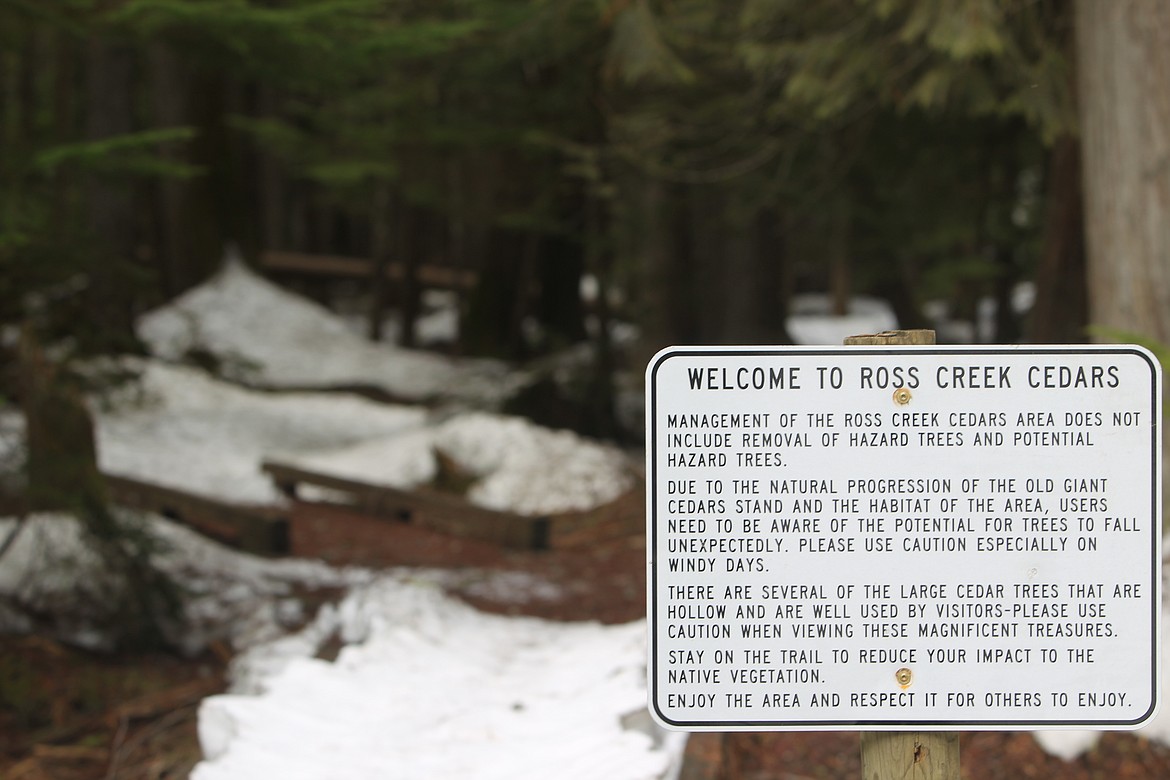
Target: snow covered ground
425, 686
190, 431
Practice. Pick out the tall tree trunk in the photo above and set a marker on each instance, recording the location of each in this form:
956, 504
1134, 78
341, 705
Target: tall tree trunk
702, 309
1059, 314
62, 461
168, 97
491, 311
408, 244
655, 287
1123, 67
995, 236
561, 265
640, 204
382, 231
602, 394
112, 218
456, 229
1123, 54
669, 271
774, 279
739, 317
1007, 326
272, 181
12, 103
755, 302
189, 215
528, 247
838, 249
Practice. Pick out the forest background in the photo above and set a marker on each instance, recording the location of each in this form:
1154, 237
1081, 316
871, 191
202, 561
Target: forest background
696, 163
699, 161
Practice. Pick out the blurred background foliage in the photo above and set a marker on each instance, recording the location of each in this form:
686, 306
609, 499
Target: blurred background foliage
700, 162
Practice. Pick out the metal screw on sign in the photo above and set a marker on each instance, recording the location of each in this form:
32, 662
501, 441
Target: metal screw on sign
901, 396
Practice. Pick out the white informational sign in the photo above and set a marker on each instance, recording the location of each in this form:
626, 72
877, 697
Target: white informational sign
903, 537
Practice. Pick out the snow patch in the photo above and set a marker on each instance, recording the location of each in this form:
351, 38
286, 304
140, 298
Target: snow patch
811, 321
437, 689
228, 595
192, 432
261, 334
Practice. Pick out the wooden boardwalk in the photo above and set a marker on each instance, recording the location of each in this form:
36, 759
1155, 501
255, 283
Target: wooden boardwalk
265, 530
452, 514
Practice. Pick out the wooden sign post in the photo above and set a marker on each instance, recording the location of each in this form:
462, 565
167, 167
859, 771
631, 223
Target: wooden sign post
920, 755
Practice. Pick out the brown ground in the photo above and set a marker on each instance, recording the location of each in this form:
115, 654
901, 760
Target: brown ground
72, 715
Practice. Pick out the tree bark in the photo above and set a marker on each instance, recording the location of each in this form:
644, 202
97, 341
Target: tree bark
382, 229
62, 462
173, 240
1123, 66
773, 277
110, 206
1060, 314
409, 248
650, 244
271, 179
837, 250
1123, 57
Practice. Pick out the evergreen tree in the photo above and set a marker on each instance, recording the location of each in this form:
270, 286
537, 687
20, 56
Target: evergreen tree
837, 125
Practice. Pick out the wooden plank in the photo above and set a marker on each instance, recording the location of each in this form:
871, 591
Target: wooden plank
423, 507
428, 274
624, 516
251, 529
324, 265
452, 514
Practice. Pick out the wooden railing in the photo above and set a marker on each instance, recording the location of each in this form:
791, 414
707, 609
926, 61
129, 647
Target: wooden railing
259, 530
452, 514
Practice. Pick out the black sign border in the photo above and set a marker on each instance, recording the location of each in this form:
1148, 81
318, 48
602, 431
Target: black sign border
888, 724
